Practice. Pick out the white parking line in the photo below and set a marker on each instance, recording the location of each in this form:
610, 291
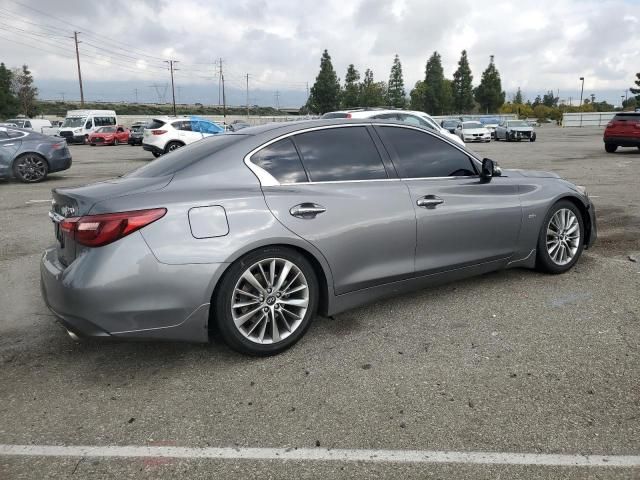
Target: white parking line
39, 201
325, 454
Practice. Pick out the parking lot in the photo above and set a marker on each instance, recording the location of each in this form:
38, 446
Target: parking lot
511, 362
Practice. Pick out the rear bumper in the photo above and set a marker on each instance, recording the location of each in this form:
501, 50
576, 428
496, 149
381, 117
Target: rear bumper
152, 148
135, 141
121, 290
622, 141
60, 160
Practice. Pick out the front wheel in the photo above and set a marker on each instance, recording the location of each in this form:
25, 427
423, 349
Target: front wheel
561, 238
171, 146
610, 147
30, 168
156, 154
266, 301
116, 142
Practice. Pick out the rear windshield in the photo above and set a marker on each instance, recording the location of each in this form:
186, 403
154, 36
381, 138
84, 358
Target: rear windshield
624, 117
155, 123
183, 157
335, 115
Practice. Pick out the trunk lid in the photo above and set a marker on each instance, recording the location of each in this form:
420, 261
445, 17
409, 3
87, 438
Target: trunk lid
624, 125
77, 201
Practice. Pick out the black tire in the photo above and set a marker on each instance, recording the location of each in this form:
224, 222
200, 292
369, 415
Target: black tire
225, 292
506, 137
544, 262
156, 154
171, 146
610, 147
496, 137
116, 142
533, 137
30, 168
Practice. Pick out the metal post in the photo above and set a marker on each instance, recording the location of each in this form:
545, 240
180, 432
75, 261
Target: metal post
75, 37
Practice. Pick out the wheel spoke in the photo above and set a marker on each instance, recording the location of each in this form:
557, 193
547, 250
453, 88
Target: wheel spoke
272, 272
263, 329
245, 304
258, 322
296, 289
284, 319
248, 294
243, 319
250, 277
296, 302
275, 333
283, 275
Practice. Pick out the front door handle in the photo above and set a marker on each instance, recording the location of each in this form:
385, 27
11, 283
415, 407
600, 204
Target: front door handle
429, 201
307, 210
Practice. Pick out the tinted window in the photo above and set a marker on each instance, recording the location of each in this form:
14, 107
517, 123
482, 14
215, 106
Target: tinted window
185, 156
153, 124
281, 160
334, 154
387, 116
422, 155
413, 120
27, 124
336, 115
624, 117
184, 125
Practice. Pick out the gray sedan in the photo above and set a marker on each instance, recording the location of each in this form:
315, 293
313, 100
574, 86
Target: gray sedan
514, 131
248, 235
30, 156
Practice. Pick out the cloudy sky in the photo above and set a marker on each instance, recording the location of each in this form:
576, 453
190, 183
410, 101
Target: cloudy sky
538, 45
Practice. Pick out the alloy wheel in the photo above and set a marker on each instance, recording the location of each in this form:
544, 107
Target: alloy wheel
270, 300
563, 236
31, 168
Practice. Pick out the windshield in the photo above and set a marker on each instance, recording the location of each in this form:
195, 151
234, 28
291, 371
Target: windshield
106, 129
16, 122
467, 125
74, 122
489, 121
518, 123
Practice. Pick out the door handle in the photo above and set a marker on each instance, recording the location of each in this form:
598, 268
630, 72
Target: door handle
307, 210
8, 145
429, 201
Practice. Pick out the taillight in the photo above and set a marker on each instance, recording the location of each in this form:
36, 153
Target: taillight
610, 124
158, 132
348, 115
100, 230
58, 146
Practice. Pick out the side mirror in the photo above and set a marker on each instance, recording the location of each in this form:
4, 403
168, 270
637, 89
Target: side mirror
489, 169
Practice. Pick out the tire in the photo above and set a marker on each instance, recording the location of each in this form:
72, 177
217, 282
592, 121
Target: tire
549, 258
156, 154
171, 146
610, 147
497, 138
30, 168
116, 142
506, 137
533, 138
92, 144
255, 336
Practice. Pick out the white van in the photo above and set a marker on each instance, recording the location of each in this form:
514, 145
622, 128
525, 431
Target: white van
35, 124
79, 124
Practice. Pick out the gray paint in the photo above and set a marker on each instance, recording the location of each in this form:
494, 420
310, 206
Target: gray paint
373, 240
12, 148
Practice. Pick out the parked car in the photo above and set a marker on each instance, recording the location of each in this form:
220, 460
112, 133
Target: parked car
109, 136
165, 134
515, 130
238, 125
35, 124
136, 132
473, 131
622, 131
450, 125
8, 124
491, 124
30, 156
249, 234
79, 124
411, 117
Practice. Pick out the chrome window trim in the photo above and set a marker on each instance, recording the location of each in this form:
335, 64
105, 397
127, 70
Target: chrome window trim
268, 180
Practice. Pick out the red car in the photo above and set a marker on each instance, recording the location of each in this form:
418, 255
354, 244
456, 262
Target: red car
622, 131
109, 136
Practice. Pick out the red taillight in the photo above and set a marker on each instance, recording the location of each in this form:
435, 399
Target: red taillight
158, 132
58, 146
348, 115
100, 230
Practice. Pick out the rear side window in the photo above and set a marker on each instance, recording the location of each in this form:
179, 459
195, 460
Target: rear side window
153, 124
421, 155
184, 125
339, 154
281, 160
627, 117
336, 115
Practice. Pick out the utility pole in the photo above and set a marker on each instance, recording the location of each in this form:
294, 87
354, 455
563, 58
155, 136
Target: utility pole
277, 97
219, 82
62, 95
173, 90
75, 37
247, 96
581, 90
135, 92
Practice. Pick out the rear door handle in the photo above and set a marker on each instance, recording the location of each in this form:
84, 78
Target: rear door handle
307, 210
429, 201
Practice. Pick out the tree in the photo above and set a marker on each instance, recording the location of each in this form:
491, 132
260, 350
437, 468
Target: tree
636, 91
549, 99
395, 92
462, 86
417, 96
350, 94
517, 98
25, 92
447, 96
325, 93
371, 93
489, 93
537, 101
8, 102
434, 85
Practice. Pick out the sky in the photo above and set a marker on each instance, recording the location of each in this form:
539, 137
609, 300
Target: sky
538, 45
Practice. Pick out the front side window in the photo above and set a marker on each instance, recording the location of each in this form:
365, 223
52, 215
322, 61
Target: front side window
281, 160
339, 154
421, 155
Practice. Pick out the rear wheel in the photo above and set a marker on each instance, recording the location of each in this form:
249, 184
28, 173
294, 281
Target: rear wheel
156, 154
610, 147
561, 238
171, 146
30, 168
116, 141
266, 301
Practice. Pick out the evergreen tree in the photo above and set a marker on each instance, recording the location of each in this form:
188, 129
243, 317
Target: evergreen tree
489, 93
537, 101
434, 85
371, 93
351, 94
636, 91
25, 92
395, 93
325, 93
8, 102
447, 96
417, 96
549, 99
462, 86
517, 98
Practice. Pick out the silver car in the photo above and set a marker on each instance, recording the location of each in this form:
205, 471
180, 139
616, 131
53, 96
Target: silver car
29, 156
248, 235
514, 131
